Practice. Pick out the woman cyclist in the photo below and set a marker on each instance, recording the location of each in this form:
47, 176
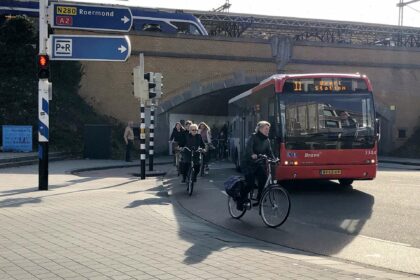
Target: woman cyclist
193, 142
205, 133
257, 144
177, 137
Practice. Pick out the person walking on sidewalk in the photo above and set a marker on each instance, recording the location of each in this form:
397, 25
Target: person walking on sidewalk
129, 139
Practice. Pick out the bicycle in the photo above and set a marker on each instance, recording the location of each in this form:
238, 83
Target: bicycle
221, 149
177, 156
274, 204
202, 167
190, 173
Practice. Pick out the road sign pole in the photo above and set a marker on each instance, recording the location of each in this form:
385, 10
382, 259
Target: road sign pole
43, 106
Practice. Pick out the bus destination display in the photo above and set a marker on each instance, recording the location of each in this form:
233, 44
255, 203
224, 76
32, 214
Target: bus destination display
324, 85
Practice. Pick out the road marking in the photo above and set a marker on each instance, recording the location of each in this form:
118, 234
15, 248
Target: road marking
386, 241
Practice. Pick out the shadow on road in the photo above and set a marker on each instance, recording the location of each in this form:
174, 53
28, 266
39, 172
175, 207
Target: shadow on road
325, 216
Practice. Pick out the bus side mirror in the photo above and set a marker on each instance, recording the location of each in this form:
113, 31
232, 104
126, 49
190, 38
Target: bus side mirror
377, 129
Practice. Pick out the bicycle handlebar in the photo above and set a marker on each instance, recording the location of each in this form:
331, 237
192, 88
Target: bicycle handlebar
199, 150
261, 157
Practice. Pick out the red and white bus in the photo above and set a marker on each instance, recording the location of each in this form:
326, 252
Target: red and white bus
323, 126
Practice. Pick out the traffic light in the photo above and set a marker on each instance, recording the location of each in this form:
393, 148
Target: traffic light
43, 66
140, 85
159, 85
150, 79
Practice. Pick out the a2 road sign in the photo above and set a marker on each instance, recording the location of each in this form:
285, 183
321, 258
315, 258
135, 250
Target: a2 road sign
85, 47
90, 17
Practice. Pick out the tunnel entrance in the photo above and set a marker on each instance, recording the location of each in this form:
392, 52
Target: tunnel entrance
211, 108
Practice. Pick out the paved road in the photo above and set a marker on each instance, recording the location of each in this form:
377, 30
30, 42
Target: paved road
107, 224
375, 222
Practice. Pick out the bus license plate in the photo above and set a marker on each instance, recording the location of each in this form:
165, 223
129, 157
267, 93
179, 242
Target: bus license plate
330, 171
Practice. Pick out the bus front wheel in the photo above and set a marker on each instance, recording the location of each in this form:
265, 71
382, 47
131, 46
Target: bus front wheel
345, 182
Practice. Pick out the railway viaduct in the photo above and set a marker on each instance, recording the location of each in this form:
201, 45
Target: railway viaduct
201, 73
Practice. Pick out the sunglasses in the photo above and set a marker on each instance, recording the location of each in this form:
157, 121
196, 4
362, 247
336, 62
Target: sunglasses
194, 130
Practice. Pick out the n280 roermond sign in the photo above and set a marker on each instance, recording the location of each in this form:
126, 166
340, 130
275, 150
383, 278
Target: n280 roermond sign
90, 17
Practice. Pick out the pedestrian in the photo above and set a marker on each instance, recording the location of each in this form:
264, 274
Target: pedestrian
129, 139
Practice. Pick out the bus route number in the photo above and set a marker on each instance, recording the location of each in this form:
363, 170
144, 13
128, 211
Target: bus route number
62, 10
333, 85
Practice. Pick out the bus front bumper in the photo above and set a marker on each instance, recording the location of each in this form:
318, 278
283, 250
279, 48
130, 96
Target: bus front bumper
328, 172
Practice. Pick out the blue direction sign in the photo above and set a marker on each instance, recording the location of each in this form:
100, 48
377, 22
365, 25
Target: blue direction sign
91, 17
86, 47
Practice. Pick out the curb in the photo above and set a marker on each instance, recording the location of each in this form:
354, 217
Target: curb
399, 162
74, 171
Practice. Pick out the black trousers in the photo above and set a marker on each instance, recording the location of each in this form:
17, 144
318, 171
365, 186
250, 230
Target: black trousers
251, 173
128, 148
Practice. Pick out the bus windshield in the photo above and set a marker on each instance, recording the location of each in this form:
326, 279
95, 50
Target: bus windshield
333, 121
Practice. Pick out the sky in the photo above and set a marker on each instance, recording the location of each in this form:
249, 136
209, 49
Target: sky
370, 11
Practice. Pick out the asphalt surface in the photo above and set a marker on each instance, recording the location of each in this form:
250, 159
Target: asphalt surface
371, 222
108, 224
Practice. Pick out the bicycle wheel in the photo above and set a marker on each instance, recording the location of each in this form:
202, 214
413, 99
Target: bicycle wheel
190, 182
201, 167
177, 162
235, 213
275, 206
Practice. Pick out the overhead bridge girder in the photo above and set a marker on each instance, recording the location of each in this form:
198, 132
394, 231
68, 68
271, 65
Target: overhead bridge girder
236, 25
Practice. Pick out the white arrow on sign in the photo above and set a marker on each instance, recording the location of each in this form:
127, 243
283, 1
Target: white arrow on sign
122, 49
125, 19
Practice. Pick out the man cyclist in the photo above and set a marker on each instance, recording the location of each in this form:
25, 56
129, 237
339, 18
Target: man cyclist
257, 144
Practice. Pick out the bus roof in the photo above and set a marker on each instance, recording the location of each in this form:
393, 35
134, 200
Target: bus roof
278, 81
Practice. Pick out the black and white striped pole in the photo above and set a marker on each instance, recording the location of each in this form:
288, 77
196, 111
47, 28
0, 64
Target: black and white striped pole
43, 98
141, 92
151, 136
142, 142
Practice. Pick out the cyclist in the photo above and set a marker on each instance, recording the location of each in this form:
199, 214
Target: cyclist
257, 144
205, 133
176, 138
193, 141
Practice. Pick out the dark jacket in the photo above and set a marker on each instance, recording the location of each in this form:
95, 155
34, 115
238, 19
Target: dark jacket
183, 137
258, 144
192, 143
177, 136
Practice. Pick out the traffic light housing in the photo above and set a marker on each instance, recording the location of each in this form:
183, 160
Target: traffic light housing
159, 85
150, 79
141, 90
43, 66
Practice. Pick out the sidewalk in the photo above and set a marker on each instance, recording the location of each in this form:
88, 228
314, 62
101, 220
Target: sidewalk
109, 225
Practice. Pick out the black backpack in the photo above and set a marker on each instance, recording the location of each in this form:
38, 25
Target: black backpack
233, 186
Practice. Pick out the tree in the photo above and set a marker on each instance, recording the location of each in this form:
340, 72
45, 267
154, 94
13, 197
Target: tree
18, 84
19, 91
